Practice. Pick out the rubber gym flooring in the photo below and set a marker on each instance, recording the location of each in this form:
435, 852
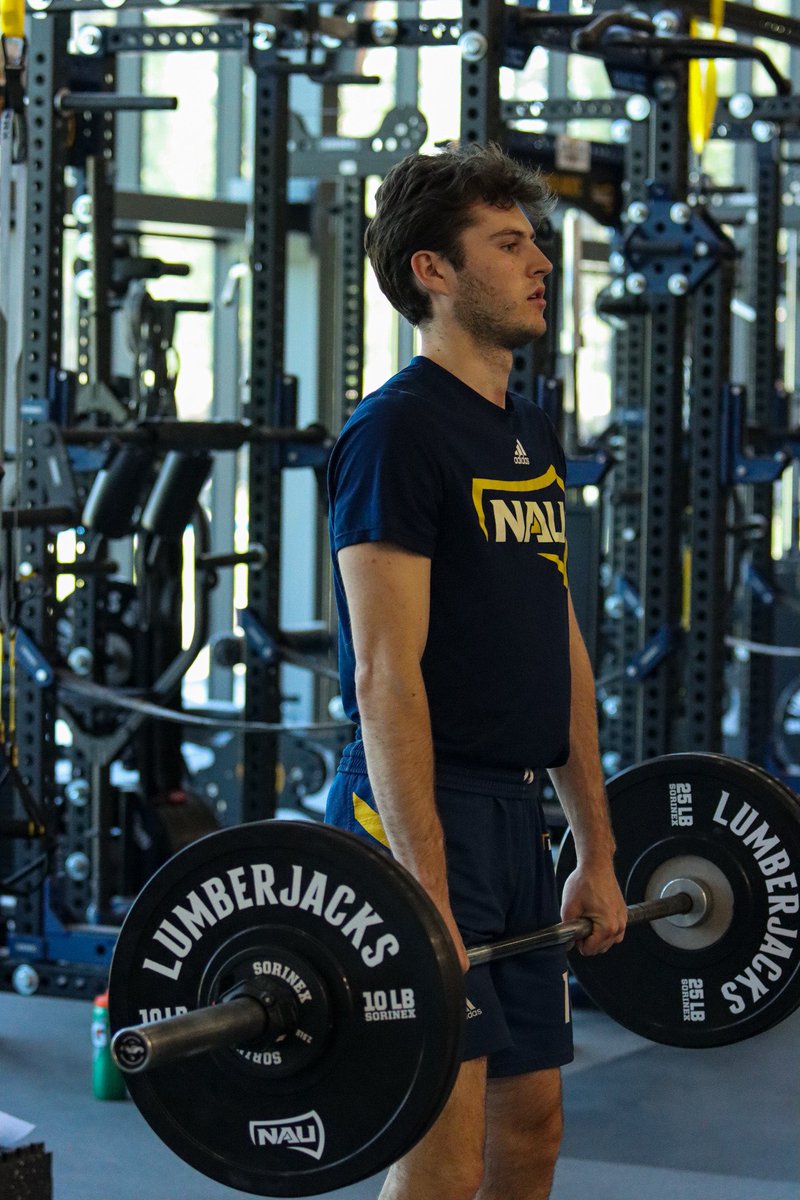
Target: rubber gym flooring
643, 1122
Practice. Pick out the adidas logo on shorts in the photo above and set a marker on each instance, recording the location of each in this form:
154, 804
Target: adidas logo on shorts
520, 457
473, 1010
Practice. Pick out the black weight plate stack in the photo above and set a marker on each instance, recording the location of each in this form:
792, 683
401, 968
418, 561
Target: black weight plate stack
736, 830
380, 996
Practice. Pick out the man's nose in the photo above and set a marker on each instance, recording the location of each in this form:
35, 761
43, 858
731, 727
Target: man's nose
540, 264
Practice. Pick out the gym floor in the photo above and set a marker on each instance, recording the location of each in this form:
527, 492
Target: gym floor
643, 1122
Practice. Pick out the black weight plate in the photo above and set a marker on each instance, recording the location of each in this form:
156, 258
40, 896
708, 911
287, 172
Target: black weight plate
736, 826
391, 1026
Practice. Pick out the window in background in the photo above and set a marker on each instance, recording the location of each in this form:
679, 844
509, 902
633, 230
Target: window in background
362, 106
179, 146
779, 52
440, 79
593, 354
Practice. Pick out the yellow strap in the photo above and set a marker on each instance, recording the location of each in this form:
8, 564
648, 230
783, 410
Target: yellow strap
686, 602
12, 695
369, 820
12, 18
2, 656
703, 83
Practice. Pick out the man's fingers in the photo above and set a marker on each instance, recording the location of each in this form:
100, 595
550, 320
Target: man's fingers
602, 938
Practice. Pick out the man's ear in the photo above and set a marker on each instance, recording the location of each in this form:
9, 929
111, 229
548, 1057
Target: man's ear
430, 271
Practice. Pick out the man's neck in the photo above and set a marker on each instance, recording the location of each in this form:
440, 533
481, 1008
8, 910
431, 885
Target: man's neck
484, 369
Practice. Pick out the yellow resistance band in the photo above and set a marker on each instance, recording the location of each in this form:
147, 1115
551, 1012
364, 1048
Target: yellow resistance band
12, 18
12, 697
703, 84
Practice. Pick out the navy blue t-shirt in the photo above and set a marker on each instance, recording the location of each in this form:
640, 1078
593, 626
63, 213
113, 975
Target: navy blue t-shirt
430, 465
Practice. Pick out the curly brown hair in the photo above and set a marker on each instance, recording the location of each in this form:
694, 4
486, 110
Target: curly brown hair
425, 203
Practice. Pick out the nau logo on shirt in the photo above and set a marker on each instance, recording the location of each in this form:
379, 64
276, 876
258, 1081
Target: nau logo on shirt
516, 511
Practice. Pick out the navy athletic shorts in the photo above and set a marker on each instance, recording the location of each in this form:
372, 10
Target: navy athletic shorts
501, 882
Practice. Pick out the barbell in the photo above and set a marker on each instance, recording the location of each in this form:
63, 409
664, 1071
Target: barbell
288, 1005
268, 1011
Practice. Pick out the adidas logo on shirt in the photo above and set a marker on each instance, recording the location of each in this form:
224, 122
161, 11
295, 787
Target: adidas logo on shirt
520, 457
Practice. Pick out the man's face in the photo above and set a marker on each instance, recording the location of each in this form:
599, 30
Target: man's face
500, 289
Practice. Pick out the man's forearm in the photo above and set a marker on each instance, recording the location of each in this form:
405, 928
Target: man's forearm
396, 728
579, 783
395, 724
585, 807
591, 890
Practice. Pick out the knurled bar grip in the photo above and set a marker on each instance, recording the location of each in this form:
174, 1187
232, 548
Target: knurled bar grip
141, 1047
244, 1019
568, 932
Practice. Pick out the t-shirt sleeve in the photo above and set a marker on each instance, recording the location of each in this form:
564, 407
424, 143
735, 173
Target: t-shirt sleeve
559, 456
384, 482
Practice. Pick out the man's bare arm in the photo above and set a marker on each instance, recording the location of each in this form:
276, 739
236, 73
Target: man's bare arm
388, 593
592, 889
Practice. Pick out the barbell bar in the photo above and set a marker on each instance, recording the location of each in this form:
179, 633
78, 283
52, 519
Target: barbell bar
567, 933
259, 1016
241, 1020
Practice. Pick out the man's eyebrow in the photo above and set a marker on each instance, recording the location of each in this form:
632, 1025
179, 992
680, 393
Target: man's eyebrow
517, 233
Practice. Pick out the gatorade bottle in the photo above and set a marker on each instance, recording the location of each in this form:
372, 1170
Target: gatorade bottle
108, 1082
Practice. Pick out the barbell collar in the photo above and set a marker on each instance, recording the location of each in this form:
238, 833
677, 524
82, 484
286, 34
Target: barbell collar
702, 903
143, 1047
566, 933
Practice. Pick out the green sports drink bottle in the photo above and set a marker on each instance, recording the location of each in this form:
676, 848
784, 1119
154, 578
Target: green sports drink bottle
108, 1082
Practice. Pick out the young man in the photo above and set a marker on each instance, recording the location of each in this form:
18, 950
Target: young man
460, 656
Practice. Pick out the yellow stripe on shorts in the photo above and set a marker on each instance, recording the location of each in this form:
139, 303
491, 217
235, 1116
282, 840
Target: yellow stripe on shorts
369, 820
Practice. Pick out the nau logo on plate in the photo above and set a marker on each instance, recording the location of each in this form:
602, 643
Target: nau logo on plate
305, 1134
